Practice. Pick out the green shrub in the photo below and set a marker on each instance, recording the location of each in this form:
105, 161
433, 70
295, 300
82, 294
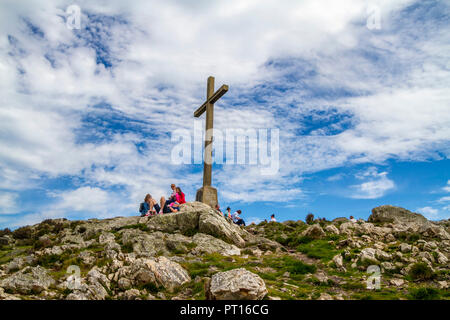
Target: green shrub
23, 233
298, 267
309, 218
190, 232
421, 271
5, 232
127, 248
423, 294
40, 244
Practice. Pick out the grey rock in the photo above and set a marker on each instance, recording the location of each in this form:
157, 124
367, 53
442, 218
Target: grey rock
395, 214
236, 284
315, 231
28, 280
209, 244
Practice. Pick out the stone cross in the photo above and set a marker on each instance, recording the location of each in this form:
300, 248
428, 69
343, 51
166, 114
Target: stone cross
207, 194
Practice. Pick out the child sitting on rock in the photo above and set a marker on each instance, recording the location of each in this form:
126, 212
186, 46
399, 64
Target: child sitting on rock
148, 206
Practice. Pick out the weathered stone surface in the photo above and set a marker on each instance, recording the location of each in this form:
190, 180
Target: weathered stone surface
347, 228
404, 247
382, 255
441, 258
197, 217
325, 296
332, 229
315, 231
217, 226
368, 255
395, 214
208, 244
160, 271
144, 244
339, 262
28, 280
19, 262
6, 296
236, 284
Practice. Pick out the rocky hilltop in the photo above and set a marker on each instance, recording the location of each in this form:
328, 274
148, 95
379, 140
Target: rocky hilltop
198, 254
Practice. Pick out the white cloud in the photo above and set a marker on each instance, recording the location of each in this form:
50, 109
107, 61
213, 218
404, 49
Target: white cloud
429, 212
376, 187
160, 64
444, 199
8, 203
447, 187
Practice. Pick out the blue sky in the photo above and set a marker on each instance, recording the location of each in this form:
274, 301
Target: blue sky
87, 115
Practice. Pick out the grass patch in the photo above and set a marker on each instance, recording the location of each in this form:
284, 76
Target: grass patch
421, 271
423, 294
318, 249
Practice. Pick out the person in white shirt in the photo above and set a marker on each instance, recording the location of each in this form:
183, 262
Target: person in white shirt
237, 219
272, 218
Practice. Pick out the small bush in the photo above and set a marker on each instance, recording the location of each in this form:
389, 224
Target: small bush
190, 232
298, 267
309, 218
23, 233
423, 294
421, 271
5, 232
127, 248
40, 244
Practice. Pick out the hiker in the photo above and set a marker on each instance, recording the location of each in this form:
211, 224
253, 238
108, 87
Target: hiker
148, 206
227, 214
352, 219
217, 207
272, 218
173, 196
237, 219
166, 207
179, 196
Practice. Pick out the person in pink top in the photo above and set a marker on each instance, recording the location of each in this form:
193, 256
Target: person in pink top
180, 196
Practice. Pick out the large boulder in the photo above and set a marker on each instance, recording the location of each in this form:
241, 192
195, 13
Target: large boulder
396, 215
160, 271
236, 284
208, 244
197, 217
368, 255
29, 280
315, 231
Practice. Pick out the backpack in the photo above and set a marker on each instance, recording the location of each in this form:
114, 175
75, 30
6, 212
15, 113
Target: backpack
141, 208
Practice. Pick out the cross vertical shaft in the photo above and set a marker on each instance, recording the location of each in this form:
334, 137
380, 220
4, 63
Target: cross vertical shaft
207, 194
207, 167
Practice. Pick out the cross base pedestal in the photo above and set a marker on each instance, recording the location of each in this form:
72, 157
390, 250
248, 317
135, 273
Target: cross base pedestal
207, 195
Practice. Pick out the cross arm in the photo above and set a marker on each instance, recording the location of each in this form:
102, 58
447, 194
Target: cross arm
216, 96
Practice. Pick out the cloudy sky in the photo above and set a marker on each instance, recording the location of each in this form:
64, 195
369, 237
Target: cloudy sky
358, 90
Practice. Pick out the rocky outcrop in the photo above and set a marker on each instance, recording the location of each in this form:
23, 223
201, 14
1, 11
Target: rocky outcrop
314, 231
197, 216
236, 284
186, 255
396, 215
208, 244
31, 280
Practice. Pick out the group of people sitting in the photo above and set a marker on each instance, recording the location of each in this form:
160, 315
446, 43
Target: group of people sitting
150, 207
234, 217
